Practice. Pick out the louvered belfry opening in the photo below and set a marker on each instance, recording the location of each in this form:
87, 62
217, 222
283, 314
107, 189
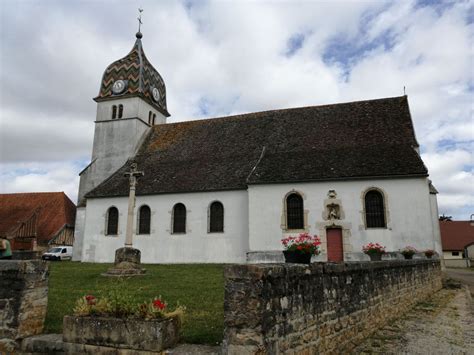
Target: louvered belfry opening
144, 220
179, 218
294, 212
216, 218
112, 221
374, 210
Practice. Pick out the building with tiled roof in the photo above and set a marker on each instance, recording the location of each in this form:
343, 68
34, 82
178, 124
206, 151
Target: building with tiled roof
458, 239
33, 221
228, 189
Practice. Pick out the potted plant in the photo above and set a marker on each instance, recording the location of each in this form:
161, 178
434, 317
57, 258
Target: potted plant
118, 321
374, 251
408, 252
301, 248
429, 253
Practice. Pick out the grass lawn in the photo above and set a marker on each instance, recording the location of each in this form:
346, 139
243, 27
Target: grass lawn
200, 287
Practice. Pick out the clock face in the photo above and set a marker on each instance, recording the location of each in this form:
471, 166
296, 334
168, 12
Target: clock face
156, 94
118, 87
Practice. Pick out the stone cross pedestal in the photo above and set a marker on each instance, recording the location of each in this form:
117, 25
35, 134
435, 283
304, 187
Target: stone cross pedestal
127, 259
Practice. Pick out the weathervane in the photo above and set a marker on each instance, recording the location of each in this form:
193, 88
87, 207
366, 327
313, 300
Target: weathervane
139, 18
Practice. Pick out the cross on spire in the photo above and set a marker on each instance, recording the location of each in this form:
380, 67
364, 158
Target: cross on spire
139, 18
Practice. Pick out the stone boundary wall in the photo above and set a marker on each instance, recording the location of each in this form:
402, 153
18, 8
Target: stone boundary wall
23, 300
318, 308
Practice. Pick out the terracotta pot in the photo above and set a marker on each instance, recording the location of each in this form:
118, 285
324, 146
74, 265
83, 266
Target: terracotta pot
296, 257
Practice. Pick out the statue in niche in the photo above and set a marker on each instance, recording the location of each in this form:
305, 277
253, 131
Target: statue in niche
333, 211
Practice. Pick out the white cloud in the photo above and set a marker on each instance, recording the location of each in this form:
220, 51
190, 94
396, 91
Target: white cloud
31, 177
231, 55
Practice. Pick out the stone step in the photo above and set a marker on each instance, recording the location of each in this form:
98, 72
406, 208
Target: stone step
54, 344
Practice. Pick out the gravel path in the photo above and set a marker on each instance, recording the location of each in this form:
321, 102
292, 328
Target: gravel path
444, 324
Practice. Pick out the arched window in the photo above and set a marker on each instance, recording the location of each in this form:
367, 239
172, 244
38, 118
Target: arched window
120, 113
149, 117
112, 221
374, 209
216, 217
114, 112
144, 214
179, 218
294, 212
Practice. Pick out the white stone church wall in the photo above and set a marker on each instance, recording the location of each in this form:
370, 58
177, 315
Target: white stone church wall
408, 211
160, 246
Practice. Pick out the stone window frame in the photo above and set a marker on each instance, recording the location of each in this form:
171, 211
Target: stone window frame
209, 218
106, 229
385, 207
137, 231
284, 222
185, 220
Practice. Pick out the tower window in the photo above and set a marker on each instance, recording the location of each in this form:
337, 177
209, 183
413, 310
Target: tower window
179, 218
112, 221
374, 210
144, 215
114, 112
216, 217
120, 111
149, 117
154, 116
294, 212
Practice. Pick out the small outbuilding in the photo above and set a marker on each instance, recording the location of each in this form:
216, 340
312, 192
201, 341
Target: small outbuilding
458, 243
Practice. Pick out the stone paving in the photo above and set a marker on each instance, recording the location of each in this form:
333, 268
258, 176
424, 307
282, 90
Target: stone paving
443, 324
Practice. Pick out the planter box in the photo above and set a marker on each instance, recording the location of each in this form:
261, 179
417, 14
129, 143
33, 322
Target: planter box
137, 334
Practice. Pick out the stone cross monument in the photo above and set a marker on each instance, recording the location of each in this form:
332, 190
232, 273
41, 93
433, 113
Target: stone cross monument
127, 259
133, 174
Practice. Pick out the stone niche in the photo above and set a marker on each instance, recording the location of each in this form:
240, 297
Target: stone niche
333, 216
23, 300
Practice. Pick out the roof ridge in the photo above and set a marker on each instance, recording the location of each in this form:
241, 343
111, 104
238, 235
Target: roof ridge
289, 109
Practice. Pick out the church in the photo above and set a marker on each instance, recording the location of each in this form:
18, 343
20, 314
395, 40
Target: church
228, 189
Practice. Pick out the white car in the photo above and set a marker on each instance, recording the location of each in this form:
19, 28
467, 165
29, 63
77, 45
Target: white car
58, 253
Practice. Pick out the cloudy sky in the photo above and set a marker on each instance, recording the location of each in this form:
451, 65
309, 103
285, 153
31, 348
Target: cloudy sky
223, 57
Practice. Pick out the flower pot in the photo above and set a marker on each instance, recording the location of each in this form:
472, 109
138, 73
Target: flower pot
429, 256
408, 256
125, 333
296, 257
375, 256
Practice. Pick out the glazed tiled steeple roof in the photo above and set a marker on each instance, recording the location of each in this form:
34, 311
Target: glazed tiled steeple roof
139, 76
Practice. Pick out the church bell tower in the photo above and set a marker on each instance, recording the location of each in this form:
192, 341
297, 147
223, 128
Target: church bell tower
131, 99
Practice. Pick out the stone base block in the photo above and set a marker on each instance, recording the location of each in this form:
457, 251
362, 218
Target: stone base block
127, 263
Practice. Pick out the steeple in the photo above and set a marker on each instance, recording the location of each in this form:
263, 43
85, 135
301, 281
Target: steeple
133, 76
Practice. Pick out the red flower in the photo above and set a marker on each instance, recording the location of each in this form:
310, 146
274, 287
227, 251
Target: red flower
90, 299
158, 304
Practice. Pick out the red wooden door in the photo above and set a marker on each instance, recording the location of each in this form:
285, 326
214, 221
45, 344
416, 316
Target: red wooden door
334, 240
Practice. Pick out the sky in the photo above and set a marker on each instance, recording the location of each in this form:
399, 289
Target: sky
225, 57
